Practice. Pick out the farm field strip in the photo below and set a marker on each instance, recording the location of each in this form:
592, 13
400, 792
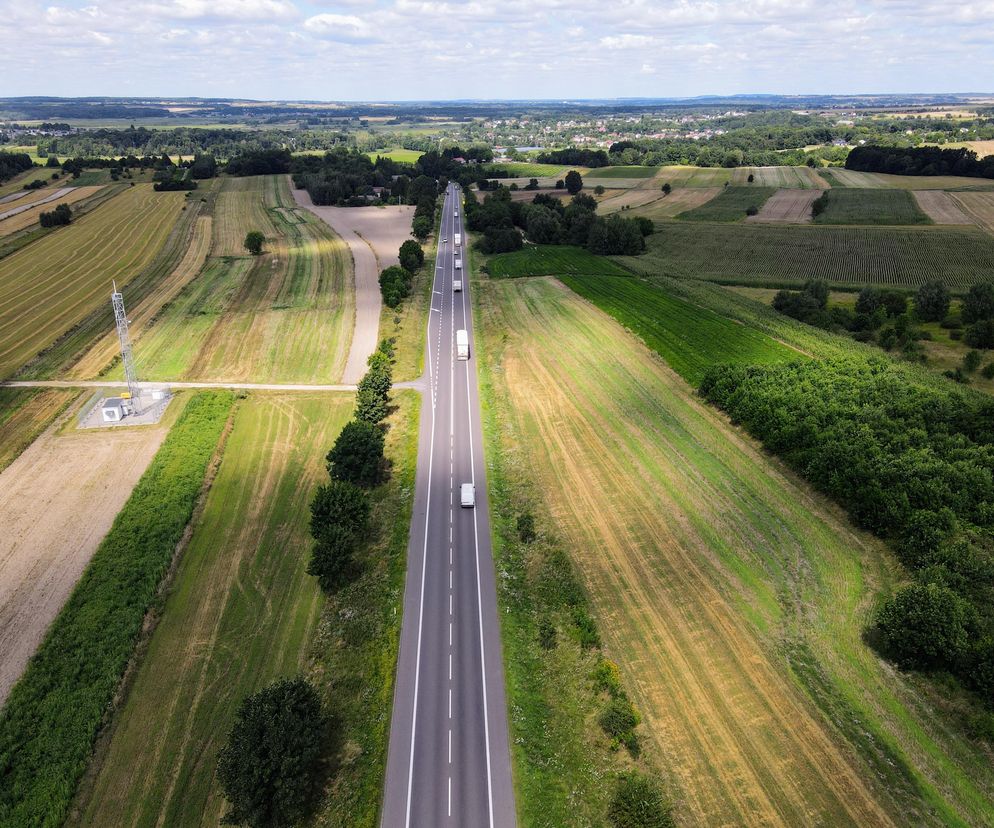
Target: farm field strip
730, 205
141, 317
841, 177
283, 316
36, 197
17, 221
732, 597
779, 177
682, 605
979, 206
867, 206
24, 414
546, 260
48, 286
631, 172
787, 206
679, 176
680, 199
941, 207
240, 613
768, 253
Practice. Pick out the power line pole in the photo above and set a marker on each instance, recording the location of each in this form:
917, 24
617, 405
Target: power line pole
127, 358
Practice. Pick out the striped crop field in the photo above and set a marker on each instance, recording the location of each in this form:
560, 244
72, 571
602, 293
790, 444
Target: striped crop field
978, 206
845, 255
731, 596
52, 284
803, 178
551, 260
841, 177
678, 201
679, 176
730, 204
622, 172
866, 206
284, 316
27, 218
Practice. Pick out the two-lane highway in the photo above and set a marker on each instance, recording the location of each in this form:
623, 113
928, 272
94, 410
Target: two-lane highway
448, 762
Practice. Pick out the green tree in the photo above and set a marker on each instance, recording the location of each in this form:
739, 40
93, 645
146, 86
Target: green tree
270, 767
979, 303
932, 302
980, 334
332, 559
599, 189
421, 227
925, 626
868, 301
357, 455
817, 289
254, 241
971, 361
667, 188
573, 182
411, 256
638, 802
338, 506
543, 225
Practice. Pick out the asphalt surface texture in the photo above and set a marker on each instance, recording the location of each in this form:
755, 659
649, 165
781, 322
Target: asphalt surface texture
448, 762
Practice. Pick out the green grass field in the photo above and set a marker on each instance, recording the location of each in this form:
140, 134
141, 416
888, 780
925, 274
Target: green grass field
680, 176
524, 169
406, 156
622, 172
550, 260
775, 256
731, 596
689, 337
241, 591
51, 719
286, 315
730, 204
53, 284
865, 206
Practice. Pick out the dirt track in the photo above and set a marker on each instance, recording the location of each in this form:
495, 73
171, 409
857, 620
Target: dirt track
374, 236
57, 501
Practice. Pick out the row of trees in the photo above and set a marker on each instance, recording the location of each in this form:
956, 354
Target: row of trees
547, 220
14, 163
912, 463
396, 281
920, 161
58, 217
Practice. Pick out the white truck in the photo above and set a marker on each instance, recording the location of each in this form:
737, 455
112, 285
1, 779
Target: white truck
458, 239
456, 285
462, 344
467, 496
458, 263
455, 214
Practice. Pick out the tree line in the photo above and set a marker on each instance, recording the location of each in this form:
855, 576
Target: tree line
920, 161
911, 462
546, 220
14, 163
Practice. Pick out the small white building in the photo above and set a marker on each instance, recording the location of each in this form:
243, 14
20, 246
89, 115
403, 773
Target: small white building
112, 410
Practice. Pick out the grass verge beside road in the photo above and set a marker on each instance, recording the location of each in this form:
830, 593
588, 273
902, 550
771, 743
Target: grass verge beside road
53, 715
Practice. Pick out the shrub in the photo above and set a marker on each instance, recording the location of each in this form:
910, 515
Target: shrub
619, 718
971, 361
752, 210
331, 559
638, 802
607, 678
925, 626
395, 285
587, 634
270, 767
979, 303
988, 371
932, 301
980, 334
357, 456
546, 634
254, 240
61, 215
526, 527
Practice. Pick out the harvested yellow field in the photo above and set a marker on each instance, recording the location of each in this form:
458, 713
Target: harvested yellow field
732, 597
26, 218
941, 207
787, 207
107, 348
52, 284
241, 207
841, 177
678, 201
979, 207
780, 177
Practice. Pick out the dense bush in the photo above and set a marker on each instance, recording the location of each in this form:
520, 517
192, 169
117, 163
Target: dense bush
261, 162
373, 392
270, 767
980, 334
339, 515
395, 285
926, 626
932, 302
411, 256
919, 161
574, 156
50, 721
357, 455
638, 802
61, 215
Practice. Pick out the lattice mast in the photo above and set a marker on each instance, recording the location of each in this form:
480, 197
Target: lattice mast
127, 358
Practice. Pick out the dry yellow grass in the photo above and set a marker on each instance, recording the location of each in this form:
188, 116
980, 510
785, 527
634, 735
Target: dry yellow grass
941, 207
678, 201
25, 219
978, 206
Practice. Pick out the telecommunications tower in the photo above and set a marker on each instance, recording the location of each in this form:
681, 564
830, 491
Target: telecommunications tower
121, 320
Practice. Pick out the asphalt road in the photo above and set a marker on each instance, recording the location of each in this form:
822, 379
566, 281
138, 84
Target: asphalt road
448, 762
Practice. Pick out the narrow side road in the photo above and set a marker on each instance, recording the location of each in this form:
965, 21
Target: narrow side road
448, 762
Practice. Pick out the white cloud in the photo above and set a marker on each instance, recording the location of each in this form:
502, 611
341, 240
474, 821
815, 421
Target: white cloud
343, 27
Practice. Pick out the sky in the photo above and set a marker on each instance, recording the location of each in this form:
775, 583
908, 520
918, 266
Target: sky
521, 49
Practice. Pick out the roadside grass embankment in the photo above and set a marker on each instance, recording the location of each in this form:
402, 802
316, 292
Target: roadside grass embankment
240, 590
54, 713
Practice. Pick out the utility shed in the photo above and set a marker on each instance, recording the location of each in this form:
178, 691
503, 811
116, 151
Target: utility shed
112, 409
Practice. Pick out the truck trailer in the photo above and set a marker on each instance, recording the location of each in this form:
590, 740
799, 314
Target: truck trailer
458, 239
462, 344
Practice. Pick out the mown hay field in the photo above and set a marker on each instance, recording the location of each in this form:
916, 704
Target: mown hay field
27, 218
679, 200
730, 204
680, 176
286, 315
781, 177
732, 597
241, 612
941, 207
841, 177
24, 414
866, 206
979, 207
787, 206
52, 284
766, 253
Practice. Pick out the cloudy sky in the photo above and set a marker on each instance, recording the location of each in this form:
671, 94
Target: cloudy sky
419, 49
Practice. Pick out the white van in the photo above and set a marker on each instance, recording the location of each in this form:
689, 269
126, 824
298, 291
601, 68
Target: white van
467, 496
456, 285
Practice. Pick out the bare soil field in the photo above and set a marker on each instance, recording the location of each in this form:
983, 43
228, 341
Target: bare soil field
941, 207
678, 201
979, 207
789, 206
374, 236
57, 501
14, 221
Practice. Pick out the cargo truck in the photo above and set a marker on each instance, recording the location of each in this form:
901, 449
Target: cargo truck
458, 239
462, 344
458, 263
456, 285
